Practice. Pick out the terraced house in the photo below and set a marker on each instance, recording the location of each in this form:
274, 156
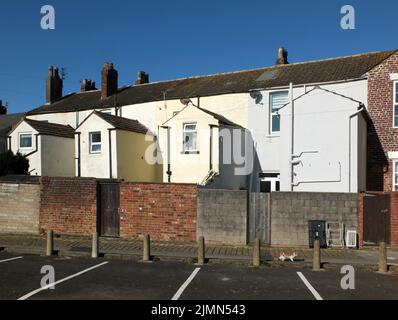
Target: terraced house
327, 125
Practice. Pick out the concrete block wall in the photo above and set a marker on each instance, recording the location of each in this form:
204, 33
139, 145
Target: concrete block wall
19, 208
290, 213
68, 205
164, 211
222, 216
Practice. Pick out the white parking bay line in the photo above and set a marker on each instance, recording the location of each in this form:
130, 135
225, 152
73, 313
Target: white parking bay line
11, 259
309, 286
186, 284
30, 294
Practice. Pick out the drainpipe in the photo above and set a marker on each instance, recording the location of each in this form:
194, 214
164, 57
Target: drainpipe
292, 138
211, 146
110, 152
79, 173
169, 173
360, 110
8, 143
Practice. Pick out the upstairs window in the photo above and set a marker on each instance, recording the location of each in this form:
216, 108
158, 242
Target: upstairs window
25, 141
95, 142
277, 101
395, 104
395, 176
190, 137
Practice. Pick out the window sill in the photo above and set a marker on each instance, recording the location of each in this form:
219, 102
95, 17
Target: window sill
190, 152
273, 136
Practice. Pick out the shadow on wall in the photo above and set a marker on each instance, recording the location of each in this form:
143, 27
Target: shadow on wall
377, 161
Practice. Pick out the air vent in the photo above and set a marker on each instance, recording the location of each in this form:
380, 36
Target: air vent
351, 240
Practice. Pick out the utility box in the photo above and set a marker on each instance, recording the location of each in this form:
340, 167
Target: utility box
317, 230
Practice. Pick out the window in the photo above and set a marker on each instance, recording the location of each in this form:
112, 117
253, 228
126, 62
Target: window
25, 141
95, 142
396, 104
190, 137
277, 100
395, 176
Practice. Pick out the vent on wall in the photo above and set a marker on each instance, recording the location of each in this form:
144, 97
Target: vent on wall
351, 239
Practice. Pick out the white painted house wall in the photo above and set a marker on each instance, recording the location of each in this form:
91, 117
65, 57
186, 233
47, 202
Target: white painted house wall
35, 164
322, 128
272, 149
96, 165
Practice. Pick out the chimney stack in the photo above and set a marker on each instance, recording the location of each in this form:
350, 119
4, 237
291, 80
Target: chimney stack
282, 56
54, 85
3, 109
109, 81
142, 78
87, 85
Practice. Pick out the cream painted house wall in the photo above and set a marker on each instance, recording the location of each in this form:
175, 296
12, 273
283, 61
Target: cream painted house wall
35, 161
57, 156
96, 165
132, 164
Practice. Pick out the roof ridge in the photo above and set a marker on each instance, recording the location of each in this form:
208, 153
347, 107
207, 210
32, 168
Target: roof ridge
266, 67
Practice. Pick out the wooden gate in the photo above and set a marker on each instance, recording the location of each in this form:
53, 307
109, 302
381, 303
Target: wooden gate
259, 217
109, 209
377, 218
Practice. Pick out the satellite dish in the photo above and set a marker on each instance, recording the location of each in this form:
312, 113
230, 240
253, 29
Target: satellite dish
185, 102
257, 96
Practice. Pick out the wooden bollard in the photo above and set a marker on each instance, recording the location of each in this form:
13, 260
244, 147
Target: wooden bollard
201, 251
95, 246
257, 253
316, 265
383, 267
50, 243
147, 249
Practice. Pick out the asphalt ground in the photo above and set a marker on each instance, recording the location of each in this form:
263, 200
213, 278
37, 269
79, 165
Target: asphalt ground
104, 279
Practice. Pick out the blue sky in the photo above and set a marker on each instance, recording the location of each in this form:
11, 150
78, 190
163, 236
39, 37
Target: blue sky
175, 38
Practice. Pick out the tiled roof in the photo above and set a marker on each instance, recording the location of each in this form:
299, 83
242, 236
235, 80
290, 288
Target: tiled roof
7, 121
123, 123
312, 72
51, 129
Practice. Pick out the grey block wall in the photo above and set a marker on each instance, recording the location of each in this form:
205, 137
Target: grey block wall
222, 216
290, 213
19, 208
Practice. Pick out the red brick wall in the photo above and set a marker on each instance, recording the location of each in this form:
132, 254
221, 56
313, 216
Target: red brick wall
382, 136
164, 211
68, 205
394, 218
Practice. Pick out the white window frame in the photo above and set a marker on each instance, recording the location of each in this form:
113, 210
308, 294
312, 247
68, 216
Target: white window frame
274, 113
272, 180
395, 104
183, 136
19, 140
394, 185
91, 144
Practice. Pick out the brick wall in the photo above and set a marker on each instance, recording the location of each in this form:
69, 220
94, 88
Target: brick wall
222, 216
290, 213
394, 218
68, 205
164, 211
19, 208
382, 137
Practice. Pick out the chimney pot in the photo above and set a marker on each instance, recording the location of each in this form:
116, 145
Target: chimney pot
54, 85
282, 57
142, 78
87, 85
109, 80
